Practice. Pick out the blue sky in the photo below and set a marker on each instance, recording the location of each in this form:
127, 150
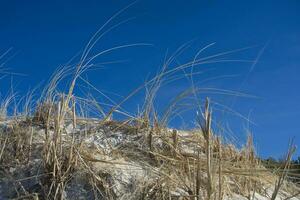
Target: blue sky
45, 34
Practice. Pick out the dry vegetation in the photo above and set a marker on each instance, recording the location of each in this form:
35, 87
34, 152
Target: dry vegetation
54, 150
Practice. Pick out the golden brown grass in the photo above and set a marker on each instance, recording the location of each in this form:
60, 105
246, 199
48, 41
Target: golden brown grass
193, 164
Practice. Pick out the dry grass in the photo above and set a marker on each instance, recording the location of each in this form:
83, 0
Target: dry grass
43, 157
180, 165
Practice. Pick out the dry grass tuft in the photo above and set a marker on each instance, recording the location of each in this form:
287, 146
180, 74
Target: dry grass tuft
56, 151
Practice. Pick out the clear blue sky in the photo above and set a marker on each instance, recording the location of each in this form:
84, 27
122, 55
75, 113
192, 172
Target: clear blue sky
46, 34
